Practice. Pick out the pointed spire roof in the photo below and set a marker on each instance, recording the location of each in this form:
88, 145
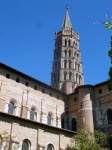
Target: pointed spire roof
67, 23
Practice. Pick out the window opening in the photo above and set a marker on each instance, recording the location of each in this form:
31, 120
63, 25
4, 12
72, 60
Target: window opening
65, 64
43, 90
26, 145
109, 116
65, 42
35, 87
8, 75
100, 91
11, 108
27, 84
49, 119
50, 147
17, 80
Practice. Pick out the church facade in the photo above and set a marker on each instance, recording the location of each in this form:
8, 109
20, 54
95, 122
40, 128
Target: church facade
42, 117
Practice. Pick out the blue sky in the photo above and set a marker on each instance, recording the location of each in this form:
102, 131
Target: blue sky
27, 35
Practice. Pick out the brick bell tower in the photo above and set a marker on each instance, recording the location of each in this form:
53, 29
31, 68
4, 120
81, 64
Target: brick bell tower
67, 67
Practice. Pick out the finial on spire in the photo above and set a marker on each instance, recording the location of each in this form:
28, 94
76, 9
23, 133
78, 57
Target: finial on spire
66, 7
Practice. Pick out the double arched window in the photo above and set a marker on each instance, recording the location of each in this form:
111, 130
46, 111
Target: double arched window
109, 116
26, 145
50, 147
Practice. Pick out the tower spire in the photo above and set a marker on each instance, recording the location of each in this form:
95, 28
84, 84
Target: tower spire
66, 22
67, 66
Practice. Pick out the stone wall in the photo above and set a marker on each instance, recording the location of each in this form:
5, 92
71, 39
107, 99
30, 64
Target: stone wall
39, 135
26, 97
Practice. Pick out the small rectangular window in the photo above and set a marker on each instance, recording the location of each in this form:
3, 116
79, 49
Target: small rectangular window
75, 99
100, 91
43, 90
51, 94
27, 84
57, 96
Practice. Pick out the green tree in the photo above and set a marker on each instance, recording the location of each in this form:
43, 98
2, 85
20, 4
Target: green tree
4, 141
86, 140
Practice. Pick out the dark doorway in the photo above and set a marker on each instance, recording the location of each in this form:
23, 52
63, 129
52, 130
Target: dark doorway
74, 124
109, 116
110, 143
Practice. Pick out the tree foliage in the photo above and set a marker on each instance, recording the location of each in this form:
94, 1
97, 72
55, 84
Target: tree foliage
86, 140
5, 140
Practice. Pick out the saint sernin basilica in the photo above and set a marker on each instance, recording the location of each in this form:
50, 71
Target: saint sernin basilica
42, 117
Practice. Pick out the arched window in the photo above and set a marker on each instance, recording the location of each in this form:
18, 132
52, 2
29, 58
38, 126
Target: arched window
8, 75
77, 78
50, 147
62, 123
11, 108
26, 145
33, 114
69, 53
74, 124
65, 64
65, 53
17, 80
49, 119
69, 64
69, 42
109, 116
70, 75
65, 42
